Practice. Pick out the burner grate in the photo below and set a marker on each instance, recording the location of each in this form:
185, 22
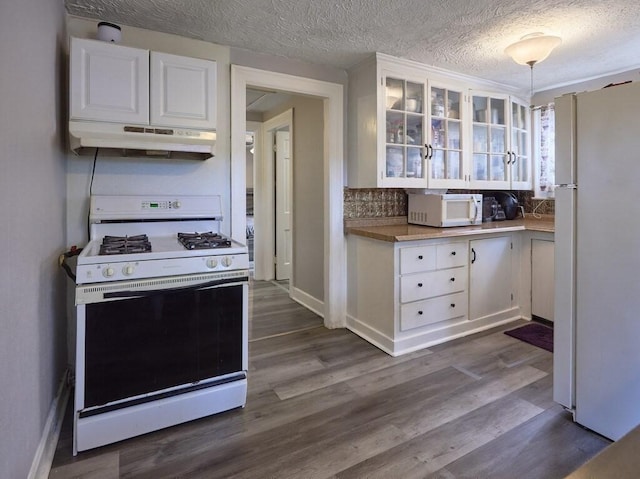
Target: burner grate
207, 240
125, 245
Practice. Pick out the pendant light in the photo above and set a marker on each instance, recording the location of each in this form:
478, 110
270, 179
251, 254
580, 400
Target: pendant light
532, 49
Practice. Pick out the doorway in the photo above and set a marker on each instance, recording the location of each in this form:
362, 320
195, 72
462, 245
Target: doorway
333, 304
278, 157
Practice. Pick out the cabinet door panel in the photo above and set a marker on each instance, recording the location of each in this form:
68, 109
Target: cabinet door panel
436, 283
422, 313
183, 91
108, 82
542, 278
490, 288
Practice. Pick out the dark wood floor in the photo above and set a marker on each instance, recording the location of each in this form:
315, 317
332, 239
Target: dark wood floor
326, 404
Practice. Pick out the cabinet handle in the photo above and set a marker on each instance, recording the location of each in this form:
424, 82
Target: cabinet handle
431, 150
513, 162
453, 253
420, 313
452, 280
508, 157
473, 252
420, 257
453, 305
419, 285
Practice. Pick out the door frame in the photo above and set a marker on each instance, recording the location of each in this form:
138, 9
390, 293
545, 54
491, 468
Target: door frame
334, 305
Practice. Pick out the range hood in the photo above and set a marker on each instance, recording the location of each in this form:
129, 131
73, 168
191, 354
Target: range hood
114, 139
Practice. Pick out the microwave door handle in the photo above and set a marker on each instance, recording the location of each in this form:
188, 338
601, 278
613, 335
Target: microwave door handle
139, 294
475, 210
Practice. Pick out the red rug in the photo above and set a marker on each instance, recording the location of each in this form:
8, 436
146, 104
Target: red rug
535, 334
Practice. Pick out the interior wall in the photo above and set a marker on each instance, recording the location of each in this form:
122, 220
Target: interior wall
32, 191
134, 176
308, 192
547, 96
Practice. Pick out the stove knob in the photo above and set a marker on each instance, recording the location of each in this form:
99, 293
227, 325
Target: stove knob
108, 272
212, 263
176, 204
127, 270
226, 261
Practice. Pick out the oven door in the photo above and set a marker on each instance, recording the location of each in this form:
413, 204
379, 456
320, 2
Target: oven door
142, 340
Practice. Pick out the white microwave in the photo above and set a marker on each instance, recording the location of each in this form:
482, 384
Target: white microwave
445, 210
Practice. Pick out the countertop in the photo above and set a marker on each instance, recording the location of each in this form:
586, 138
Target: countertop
620, 460
397, 230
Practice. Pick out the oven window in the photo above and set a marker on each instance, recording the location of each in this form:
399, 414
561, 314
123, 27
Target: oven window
140, 345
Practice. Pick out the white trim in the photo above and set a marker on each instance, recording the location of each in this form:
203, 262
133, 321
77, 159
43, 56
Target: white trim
41, 465
306, 300
334, 240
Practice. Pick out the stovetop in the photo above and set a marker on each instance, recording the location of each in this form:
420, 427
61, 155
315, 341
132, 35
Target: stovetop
136, 237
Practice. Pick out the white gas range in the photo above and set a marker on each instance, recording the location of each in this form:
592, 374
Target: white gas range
160, 219
162, 317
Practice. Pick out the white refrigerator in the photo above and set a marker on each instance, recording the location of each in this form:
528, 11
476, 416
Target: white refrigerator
597, 258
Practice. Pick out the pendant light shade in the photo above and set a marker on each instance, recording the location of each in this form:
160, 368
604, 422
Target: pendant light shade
532, 48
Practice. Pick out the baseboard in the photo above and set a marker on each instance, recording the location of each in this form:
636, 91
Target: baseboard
307, 301
41, 465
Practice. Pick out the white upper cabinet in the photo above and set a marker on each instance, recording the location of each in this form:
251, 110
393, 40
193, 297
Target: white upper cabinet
183, 91
447, 141
108, 82
411, 126
121, 84
500, 142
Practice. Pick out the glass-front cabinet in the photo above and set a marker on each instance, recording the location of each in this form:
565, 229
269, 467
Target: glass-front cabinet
413, 127
405, 143
423, 134
500, 142
446, 165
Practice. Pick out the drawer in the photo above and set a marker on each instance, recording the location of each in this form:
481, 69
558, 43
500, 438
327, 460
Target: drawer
451, 255
422, 313
417, 258
435, 283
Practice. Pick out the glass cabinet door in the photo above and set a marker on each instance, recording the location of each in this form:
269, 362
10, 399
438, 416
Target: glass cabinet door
446, 139
520, 157
404, 134
490, 158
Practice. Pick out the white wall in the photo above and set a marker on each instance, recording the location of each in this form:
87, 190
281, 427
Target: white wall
547, 96
32, 194
149, 176
308, 196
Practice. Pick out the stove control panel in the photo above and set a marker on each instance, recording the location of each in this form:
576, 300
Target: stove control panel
160, 205
129, 270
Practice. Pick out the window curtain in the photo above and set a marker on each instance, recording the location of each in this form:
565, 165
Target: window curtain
547, 148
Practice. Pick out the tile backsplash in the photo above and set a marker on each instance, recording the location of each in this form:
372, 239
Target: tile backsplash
374, 202
387, 202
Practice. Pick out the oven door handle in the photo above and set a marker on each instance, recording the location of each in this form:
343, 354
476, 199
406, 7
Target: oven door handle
155, 292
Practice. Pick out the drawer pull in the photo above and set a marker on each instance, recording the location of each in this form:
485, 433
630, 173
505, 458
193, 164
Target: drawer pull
419, 285
420, 313
452, 279
453, 253
453, 305
420, 257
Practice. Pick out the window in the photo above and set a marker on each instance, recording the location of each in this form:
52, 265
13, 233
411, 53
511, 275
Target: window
544, 150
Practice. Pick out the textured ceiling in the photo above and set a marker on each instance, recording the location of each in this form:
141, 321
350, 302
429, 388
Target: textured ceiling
599, 37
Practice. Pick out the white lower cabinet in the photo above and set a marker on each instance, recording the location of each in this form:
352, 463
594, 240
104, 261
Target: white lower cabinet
491, 285
411, 295
542, 278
